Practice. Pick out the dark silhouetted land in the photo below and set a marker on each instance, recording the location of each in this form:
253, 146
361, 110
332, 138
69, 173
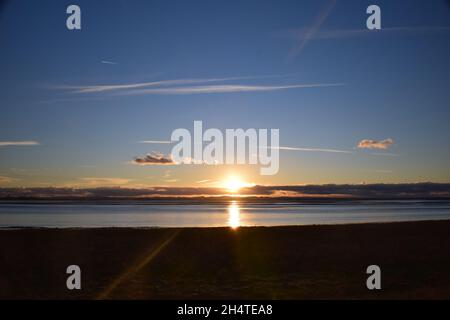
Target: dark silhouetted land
304, 262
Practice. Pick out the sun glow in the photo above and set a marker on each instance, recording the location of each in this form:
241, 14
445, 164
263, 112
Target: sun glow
234, 184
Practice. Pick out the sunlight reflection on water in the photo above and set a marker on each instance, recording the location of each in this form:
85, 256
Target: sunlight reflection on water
234, 215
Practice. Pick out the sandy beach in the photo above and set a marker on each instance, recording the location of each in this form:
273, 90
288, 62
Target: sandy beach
300, 262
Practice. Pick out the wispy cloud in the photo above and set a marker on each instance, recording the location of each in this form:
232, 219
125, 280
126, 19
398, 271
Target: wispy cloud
140, 85
18, 143
375, 144
171, 180
303, 34
211, 183
153, 159
226, 89
315, 150
311, 32
108, 62
167, 174
156, 141
311, 149
363, 144
97, 182
383, 171
385, 154
186, 86
5, 180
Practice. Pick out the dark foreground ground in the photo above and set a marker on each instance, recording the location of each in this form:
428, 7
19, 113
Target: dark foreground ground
305, 262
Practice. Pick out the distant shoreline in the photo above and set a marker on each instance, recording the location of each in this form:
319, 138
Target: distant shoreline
7, 228
212, 200
256, 193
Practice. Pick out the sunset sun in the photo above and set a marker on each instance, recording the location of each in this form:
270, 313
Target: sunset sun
234, 184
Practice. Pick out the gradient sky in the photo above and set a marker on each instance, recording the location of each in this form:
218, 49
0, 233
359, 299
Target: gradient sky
392, 83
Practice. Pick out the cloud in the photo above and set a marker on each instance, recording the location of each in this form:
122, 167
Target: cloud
187, 86
385, 154
167, 174
108, 62
304, 34
225, 89
383, 171
375, 144
117, 87
301, 192
313, 149
4, 180
156, 141
18, 143
95, 181
373, 191
154, 159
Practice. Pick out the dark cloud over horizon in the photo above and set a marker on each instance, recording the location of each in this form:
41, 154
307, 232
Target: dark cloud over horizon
373, 191
153, 159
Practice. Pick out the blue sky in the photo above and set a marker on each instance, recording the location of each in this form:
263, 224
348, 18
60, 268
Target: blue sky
392, 83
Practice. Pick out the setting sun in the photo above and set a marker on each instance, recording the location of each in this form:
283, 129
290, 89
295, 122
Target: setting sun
234, 184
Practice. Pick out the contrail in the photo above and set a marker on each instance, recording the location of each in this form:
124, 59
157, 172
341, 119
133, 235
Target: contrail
320, 19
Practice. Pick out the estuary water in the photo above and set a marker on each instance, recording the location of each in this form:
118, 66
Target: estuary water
232, 214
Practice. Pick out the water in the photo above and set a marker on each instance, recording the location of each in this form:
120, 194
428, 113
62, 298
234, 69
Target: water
232, 214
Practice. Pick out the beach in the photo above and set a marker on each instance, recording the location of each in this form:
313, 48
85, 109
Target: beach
286, 262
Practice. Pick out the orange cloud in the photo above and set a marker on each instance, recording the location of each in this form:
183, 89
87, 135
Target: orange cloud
95, 182
375, 144
4, 180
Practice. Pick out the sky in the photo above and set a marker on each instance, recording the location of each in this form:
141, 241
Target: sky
352, 105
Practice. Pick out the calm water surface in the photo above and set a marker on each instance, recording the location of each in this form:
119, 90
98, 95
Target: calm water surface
232, 214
